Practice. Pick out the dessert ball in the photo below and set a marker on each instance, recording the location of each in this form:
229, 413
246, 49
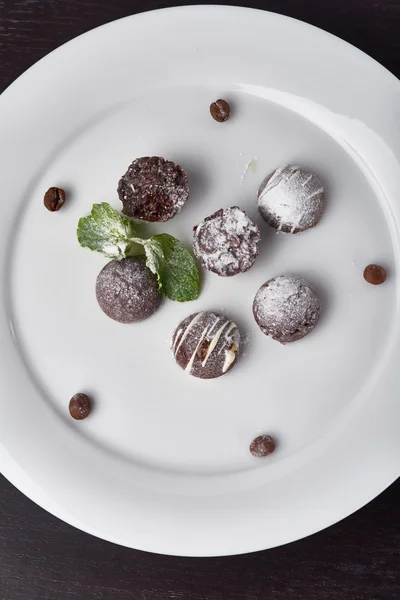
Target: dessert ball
226, 242
153, 189
286, 308
127, 290
291, 199
206, 345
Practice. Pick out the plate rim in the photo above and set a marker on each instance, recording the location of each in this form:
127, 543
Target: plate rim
12, 471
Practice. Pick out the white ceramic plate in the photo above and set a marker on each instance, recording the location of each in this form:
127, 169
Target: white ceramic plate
163, 463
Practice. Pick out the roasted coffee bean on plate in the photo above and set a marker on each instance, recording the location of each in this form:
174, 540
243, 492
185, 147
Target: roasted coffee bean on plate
220, 110
54, 198
374, 274
80, 406
263, 445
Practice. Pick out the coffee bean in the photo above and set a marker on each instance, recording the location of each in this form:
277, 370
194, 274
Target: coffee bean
54, 198
263, 445
374, 274
220, 110
80, 406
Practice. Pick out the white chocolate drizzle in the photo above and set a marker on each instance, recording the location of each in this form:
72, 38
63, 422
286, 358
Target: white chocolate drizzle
201, 340
227, 332
230, 356
217, 319
188, 328
214, 342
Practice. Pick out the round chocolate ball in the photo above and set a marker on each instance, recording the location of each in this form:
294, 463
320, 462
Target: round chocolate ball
127, 290
286, 308
226, 242
153, 189
291, 199
206, 345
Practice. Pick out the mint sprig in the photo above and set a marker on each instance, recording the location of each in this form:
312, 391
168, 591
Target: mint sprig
106, 231
176, 270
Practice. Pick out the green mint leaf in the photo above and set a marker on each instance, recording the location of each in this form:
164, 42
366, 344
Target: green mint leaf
176, 270
154, 257
106, 231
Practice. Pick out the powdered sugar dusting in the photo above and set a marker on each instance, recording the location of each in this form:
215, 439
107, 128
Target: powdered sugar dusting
250, 166
291, 199
286, 308
127, 291
226, 242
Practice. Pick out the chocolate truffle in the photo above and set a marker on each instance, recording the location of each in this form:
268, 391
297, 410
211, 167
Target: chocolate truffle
153, 189
206, 345
286, 308
291, 199
226, 242
127, 290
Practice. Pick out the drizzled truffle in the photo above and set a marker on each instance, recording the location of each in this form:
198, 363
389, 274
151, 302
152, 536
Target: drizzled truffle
206, 345
226, 242
153, 189
291, 199
127, 291
286, 308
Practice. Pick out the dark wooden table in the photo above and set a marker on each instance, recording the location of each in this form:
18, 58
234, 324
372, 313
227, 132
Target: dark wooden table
42, 558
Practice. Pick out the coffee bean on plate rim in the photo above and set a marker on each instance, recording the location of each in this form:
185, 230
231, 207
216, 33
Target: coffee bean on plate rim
54, 198
261, 446
374, 274
220, 110
80, 406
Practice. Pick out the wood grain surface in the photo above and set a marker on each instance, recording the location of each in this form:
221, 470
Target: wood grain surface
42, 558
